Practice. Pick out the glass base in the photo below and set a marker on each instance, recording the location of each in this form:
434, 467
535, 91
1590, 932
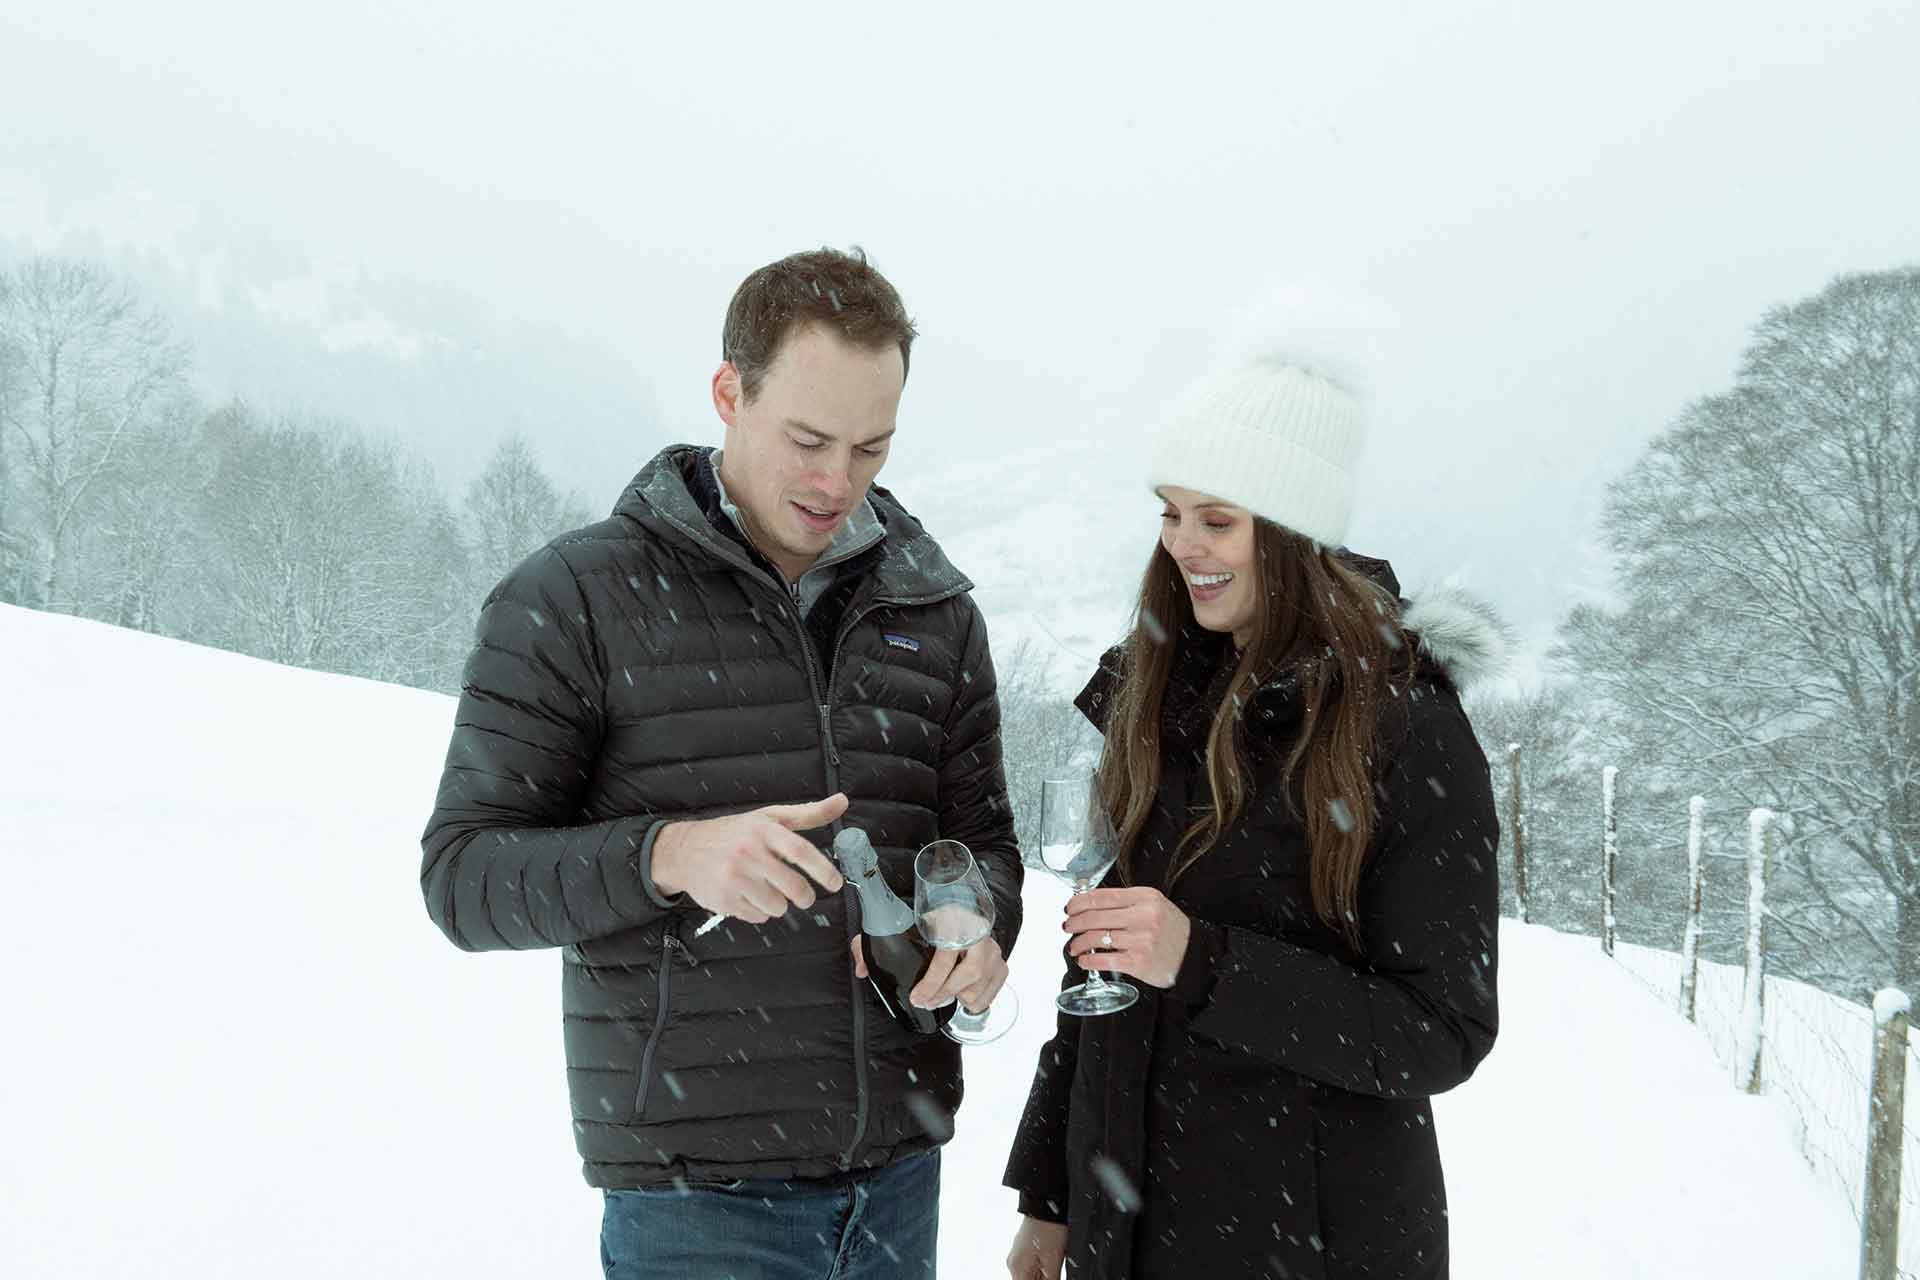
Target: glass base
1090, 999
986, 1026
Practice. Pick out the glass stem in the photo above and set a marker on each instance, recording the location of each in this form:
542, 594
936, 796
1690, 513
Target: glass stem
1095, 979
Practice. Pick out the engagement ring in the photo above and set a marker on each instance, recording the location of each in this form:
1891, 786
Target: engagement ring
1106, 940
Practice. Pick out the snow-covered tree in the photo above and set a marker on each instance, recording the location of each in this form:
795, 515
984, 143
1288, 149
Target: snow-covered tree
1562, 809
1766, 648
86, 368
511, 509
139, 561
332, 550
1042, 734
15, 547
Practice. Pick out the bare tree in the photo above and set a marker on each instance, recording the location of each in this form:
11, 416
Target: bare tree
1042, 734
1767, 649
15, 547
1560, 831
329, 546
89, 366
512, 509
135, 564
431, 653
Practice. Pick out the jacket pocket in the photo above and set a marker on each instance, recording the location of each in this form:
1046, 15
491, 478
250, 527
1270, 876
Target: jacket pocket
670, 946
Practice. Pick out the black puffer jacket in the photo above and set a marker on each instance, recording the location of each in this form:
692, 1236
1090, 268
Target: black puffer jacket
651, 667
1269, 1110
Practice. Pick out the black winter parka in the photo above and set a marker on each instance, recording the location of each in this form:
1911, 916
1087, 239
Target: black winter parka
652, 667
1267, 1115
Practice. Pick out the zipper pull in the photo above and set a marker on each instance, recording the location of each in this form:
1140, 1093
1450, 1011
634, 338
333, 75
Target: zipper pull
826, 733
677, 947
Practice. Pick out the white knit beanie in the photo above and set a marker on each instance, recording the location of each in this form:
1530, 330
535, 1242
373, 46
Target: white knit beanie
1275, 436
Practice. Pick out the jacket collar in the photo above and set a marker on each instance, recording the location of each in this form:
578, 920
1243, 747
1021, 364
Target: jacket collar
907, 565
862, 529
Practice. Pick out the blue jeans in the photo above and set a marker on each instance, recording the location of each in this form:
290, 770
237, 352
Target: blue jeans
873, 1224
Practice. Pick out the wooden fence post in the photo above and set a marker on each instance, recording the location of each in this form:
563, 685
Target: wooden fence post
1753, 999
1609, 857
1886, 1128
1696, 881
1517, 823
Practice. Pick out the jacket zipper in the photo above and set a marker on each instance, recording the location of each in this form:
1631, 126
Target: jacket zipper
863, 1093
790, 594
823, 702
669, 944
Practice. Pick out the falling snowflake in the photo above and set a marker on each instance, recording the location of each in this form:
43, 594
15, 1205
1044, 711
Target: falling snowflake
1341, 815
1114, 1181
934, 1119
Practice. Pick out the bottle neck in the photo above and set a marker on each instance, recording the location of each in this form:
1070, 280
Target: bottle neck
881, 911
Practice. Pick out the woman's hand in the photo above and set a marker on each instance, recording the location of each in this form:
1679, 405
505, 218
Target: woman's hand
1132, 931
1039, 1250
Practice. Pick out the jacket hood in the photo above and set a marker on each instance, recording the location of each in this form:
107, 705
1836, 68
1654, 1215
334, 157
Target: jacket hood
1461, 633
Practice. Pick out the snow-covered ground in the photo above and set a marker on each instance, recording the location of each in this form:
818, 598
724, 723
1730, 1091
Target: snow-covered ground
1816, 1058
235, 1046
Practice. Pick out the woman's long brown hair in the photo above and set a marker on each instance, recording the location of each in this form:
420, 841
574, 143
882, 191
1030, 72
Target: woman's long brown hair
1343, 635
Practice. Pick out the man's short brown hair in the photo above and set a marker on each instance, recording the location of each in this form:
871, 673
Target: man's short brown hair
841, 290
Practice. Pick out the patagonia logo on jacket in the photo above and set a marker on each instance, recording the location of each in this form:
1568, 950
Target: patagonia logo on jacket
901, 642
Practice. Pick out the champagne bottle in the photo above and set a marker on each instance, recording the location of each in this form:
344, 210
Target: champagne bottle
897, 958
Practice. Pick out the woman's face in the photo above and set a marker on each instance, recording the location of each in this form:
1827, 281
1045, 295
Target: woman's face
1212, 543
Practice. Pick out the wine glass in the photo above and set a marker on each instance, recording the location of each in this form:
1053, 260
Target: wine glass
954, 909
1077, 844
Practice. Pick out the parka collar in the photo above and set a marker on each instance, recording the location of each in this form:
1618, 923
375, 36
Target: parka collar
908, 565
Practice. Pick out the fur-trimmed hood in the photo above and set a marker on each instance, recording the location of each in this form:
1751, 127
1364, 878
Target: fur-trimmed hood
1461, 633
1461, 641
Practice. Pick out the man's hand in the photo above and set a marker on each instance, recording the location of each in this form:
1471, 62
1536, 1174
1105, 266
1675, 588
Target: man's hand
749, 866
973, 976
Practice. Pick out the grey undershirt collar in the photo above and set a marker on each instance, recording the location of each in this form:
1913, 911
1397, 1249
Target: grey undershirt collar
861, 531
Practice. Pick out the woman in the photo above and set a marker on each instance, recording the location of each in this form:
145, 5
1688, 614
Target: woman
1307, 893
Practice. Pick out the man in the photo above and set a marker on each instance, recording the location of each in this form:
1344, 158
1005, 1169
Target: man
757, 643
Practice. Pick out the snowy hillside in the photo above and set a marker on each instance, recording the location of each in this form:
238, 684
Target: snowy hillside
1055, 542
236, 1046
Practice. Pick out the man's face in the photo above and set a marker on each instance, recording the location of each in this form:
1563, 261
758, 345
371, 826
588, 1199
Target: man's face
800, 455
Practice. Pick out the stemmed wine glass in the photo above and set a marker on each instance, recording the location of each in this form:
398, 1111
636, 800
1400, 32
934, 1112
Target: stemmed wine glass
954, 909
1077, 845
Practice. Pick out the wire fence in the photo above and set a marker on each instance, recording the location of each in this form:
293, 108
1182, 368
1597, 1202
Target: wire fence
1816, 1049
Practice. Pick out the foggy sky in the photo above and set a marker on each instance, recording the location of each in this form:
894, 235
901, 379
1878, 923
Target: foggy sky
459, 218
